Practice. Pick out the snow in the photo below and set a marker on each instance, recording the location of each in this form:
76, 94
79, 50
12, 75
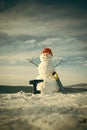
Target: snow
57, 111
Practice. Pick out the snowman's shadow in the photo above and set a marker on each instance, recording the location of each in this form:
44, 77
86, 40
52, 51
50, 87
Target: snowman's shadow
78, 88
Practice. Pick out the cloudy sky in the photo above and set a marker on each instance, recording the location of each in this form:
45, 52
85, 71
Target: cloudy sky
27, 26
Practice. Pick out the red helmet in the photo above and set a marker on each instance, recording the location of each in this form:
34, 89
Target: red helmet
47, 50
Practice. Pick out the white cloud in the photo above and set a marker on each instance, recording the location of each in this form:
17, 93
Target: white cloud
19, 58
85, 63
50, 41
30, 41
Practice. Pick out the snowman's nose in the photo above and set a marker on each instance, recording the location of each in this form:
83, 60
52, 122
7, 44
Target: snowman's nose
46, 55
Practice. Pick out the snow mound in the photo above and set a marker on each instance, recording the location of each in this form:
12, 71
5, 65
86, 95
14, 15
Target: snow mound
25, 111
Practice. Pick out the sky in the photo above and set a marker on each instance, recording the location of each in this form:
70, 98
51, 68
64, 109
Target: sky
28, 26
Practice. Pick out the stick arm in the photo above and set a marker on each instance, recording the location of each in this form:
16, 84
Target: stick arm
30, 60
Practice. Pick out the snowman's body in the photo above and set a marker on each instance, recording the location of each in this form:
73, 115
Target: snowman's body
45, 69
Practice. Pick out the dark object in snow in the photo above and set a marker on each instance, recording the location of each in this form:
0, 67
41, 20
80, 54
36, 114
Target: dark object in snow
35, 82
82, 120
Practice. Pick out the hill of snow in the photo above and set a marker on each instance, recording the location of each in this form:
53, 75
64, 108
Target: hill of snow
26, 111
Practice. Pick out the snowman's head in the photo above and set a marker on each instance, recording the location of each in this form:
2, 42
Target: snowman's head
46, 55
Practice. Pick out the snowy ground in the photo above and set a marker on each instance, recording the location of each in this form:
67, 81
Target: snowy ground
25, 111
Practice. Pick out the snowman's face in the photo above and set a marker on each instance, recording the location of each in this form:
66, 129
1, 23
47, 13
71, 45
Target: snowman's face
46, 57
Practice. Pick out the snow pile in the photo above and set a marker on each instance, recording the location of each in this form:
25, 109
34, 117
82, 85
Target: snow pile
25, 111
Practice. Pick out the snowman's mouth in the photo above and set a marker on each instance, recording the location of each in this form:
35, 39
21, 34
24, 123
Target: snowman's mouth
45, 58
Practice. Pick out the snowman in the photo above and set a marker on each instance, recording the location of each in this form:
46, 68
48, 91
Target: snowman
47, 73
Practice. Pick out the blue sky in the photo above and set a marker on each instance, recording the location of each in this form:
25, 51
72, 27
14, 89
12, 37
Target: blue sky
27, 26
